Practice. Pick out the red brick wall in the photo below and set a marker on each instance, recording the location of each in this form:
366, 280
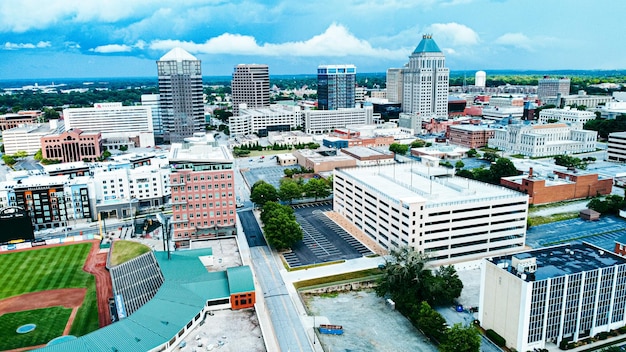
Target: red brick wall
242, 300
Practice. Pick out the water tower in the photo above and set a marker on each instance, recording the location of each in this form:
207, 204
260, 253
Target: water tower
481, 79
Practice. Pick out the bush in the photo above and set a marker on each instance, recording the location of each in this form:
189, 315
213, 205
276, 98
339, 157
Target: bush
622, 330
497, 339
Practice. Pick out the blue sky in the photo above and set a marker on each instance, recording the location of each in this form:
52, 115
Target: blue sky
124, 38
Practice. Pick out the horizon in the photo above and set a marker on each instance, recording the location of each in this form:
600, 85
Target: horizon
125, 38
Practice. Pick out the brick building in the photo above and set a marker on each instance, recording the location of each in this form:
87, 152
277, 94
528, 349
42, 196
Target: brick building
9, 121
73, 145
469, 136
562, 185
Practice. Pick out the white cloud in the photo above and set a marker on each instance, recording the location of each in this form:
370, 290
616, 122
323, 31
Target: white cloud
453, 33
16, 46
336, 41
518, 40
112, 48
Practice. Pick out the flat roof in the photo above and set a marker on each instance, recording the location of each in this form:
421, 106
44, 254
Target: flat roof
435, 186
563, 260
363, 152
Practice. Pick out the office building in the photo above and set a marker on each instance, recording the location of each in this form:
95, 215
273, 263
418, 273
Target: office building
336, 86
326, 121
470, 136
132, 124
181, 95
551, 296
28, 137
543, 140
72, 145
616, 149
552, 87
251, 86
261, 121
203, 190
8, 121
426, 81
153, 101
428, 209
567, 115
394, 85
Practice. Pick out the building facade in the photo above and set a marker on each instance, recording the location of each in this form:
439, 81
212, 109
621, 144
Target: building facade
325, 121
251, 86
568, 115
394, 85
560, 186
469, 136
543, 140
180, 95
336, 86
261, 121
445, 217
552, 296
153, 101
203, 190
113, 120
552, 87
8, 121
616, 148
73, 145
28, 137
426, 81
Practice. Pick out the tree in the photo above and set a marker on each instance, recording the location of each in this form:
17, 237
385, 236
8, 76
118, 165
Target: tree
280, 226
20, 154
289, 190
123, 148
262, 192
490, 156
472, 153
461, 339
446, 285
503, 167
38, 156
317, 188
403, 275
418, 143
430, 322
459, 165
398, 148
9, 160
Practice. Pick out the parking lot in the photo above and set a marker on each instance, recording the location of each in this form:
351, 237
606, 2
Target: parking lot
269, 174
323, 240
601, 233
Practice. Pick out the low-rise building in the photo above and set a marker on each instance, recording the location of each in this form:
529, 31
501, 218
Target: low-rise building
568, 115
72, 145
551, 296
261, 121
321, 161
28, 137
498, 113
543, 140
560, 186
8, 121
369, 156
325, 121
469, 136
428, 209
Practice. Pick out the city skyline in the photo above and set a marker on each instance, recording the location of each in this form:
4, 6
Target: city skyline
71, 39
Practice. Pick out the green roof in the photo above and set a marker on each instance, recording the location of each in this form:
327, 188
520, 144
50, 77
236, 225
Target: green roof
427, 45
240, 279
187, 288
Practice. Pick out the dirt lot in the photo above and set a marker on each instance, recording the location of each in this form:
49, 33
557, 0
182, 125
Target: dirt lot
369, 324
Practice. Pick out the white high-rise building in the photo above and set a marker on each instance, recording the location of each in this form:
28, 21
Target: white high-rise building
426, 81
181, 96
153, 101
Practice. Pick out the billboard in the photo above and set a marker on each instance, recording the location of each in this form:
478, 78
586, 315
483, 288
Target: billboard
15, 224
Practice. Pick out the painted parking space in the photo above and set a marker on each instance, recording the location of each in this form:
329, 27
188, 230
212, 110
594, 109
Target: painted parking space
323, 240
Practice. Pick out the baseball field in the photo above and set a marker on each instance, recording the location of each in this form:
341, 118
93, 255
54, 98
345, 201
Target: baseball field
48, 287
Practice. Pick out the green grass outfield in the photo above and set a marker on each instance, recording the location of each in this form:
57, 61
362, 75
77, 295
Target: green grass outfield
50, 324
43, 269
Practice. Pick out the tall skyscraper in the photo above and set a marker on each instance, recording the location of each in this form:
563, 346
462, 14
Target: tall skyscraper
336, 86
426, 81
250, 86
180, 90
551, 87
394, 85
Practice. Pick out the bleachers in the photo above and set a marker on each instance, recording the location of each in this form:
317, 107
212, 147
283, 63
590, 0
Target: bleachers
137, 280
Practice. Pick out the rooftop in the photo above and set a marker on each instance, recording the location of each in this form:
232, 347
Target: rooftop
427, 45
562, 260
178, 54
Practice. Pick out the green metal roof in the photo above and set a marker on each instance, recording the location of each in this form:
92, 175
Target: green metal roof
240, 279
187, 288
427, 45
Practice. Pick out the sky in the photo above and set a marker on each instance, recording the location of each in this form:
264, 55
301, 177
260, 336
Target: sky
124, 38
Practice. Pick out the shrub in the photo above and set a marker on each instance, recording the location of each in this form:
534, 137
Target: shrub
497, 339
